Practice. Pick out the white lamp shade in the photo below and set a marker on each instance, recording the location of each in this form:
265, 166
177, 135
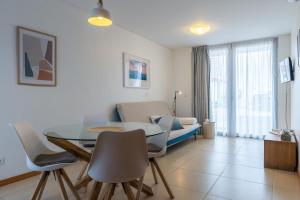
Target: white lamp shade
100, 17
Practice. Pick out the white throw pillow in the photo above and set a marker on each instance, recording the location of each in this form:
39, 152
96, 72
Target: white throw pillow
187, 120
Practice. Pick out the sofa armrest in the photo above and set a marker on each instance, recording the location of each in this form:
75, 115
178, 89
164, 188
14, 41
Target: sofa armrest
187, 120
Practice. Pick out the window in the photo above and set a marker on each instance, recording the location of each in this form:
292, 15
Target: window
242, 88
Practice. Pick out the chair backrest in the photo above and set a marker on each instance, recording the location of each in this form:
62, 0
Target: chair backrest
166, 122
119, 157
161, 140
91, 119
32, 144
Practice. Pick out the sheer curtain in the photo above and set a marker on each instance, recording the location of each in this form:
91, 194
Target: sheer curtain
243, 88
219, 88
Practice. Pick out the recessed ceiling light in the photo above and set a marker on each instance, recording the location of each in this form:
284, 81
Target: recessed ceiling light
199, 29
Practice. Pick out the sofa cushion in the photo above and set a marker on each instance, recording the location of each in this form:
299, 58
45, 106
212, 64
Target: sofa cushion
186, 129
141, 111
188, 120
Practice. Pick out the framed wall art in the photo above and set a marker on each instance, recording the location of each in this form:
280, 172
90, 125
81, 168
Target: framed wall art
36, 58
136, 71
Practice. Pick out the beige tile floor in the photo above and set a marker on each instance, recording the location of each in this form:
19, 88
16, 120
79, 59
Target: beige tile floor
224, 168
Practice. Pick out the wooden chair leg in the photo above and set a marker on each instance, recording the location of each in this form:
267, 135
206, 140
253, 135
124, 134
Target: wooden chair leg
153, 172
43, 186
39, 186
140, 188
109, 193
95, 191
69, 183
61, 184
82, 171
162, 177
128, 191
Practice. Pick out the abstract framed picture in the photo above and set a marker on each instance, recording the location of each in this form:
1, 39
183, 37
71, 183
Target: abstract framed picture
136, 71
36, 58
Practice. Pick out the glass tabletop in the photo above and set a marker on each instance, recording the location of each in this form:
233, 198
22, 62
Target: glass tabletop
90, 132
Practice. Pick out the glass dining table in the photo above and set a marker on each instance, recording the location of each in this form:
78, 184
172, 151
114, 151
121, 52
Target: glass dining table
63, 136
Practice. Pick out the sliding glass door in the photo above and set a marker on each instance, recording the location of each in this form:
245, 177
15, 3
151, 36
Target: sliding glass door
242, 91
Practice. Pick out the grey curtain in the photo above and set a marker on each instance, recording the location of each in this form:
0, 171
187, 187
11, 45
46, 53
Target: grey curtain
200, 70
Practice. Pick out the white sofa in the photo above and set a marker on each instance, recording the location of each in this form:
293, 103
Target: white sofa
142, 112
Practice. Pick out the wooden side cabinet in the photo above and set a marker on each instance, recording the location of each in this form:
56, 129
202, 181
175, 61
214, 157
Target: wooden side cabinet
278, 154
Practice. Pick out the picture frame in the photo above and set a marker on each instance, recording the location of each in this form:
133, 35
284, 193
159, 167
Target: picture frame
136, 71
36, 58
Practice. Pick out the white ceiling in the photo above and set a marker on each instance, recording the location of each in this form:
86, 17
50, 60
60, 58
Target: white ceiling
167, 21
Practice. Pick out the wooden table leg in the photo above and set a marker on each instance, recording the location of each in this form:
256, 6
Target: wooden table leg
83, 183
72, 148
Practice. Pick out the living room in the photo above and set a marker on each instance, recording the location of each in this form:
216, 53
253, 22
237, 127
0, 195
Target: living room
209, 64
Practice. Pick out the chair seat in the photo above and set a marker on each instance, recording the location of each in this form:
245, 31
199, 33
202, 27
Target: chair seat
55, 158
153, 148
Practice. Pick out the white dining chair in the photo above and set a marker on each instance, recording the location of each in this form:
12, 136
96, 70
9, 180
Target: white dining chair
119, 158
157, 147
40, 158
88, 121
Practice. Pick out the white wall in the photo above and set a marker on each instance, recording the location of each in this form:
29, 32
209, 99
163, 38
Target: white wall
284, 51
89, 72
183, 80
182, 67
295, 86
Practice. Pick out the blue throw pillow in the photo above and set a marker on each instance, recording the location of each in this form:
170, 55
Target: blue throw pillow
176, 125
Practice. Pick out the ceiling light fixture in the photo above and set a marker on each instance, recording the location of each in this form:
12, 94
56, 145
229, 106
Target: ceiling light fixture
199, 29
100, 16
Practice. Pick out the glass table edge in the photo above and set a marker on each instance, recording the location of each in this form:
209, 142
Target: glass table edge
90, 140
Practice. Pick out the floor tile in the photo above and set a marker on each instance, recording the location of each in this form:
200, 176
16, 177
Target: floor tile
211, 156
256, 162
241, 190
211, 197
264, 176
287, 180
286, 193
191, 180
210, 167
179, 193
